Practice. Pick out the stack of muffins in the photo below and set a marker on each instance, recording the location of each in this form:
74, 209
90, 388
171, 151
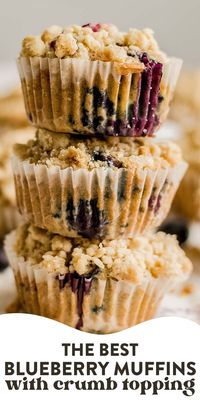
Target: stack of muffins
93, 185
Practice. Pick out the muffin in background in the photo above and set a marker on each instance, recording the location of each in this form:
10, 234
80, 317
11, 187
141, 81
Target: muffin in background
184, 219
9, 216
92, 285
12, 111
187, 199
94, 79
188, 235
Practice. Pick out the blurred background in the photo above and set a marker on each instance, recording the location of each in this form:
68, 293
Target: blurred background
175, 22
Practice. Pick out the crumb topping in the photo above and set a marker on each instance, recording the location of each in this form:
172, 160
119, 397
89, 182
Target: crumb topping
59, 149
124, 259
102, 42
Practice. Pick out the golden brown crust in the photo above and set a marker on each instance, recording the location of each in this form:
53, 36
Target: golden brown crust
102, 42
54, 149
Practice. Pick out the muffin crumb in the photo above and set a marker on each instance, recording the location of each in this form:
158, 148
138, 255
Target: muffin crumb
123, 259
74, 151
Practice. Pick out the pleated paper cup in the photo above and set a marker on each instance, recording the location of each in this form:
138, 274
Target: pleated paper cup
90, 304
95, 97
102, 202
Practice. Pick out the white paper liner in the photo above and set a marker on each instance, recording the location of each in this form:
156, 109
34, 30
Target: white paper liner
170, 76
187, 199
110, 305
61, 94
106, 202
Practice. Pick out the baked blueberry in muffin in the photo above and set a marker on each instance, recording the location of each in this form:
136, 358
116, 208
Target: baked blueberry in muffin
95, 79
96, 187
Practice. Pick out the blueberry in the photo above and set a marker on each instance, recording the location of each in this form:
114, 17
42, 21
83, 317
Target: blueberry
30, 117
158, 204
176, 227
97, 309
121, 194
3, 259
81, 285
111, 161
109, 105
52, 44
98, 156
160, 99
94, 27
86, 218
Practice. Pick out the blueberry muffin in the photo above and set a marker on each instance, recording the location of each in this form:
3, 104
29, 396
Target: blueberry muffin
95, 187
96, 286
95, 79
187, 200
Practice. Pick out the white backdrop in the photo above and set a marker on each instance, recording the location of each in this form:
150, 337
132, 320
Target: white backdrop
176, 22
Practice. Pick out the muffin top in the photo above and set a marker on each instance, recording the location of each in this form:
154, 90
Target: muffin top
103, 42
64, 150
122, 259
12, 112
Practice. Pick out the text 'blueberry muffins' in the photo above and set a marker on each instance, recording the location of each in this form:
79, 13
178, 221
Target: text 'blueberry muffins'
96, 286
96, 187
95, 79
